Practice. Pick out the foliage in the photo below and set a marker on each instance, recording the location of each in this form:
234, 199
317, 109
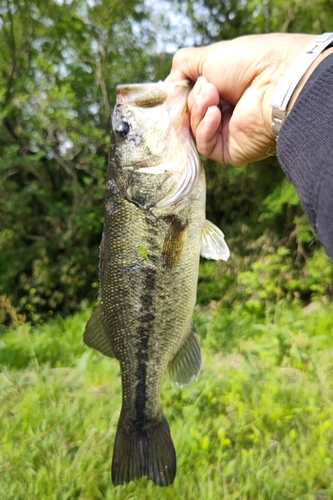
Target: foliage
256, 425
272, 244
215, 20
60, 63
59, 66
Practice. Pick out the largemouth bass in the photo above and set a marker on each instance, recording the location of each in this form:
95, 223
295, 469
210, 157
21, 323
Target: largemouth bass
154, 231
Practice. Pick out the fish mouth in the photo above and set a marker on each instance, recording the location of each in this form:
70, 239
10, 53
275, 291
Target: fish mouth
125, 88
149, 95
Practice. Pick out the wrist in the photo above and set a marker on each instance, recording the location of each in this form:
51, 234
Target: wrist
295, 78
306, 76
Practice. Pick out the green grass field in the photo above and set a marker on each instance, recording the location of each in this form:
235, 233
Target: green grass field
256, 425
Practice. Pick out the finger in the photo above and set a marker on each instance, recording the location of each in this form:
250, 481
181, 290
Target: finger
208, 136
195, 92
187, 63
178, 74
204, 95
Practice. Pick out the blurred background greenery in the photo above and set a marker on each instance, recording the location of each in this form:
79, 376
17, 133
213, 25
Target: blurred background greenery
60, 62
257, 425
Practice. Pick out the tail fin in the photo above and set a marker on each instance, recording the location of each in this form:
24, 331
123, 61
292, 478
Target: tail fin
145, 450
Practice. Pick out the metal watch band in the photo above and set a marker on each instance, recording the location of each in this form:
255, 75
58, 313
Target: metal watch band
292, 77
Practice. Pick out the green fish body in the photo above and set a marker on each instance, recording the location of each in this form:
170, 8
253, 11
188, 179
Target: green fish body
154, 231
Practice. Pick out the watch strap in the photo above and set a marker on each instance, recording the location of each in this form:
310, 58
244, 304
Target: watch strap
293, 76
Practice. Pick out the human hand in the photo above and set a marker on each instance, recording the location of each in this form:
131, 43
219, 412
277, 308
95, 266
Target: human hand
235, 80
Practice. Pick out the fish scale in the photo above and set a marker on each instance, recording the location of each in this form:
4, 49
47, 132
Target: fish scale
154, 229
164, 297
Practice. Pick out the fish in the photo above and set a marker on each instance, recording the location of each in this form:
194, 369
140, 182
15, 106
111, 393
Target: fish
155, 228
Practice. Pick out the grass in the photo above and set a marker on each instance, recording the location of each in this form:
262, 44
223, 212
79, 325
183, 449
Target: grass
257, 425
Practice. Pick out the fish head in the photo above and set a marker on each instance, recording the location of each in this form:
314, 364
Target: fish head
153, 158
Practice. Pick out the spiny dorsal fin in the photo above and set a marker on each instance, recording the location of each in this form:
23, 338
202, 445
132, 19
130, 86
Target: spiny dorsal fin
186, 364
95, 335
213, 245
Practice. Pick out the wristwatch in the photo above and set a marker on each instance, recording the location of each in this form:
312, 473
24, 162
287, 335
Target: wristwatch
292, 77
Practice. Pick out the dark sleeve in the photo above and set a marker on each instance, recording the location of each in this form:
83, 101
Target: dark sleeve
305, 150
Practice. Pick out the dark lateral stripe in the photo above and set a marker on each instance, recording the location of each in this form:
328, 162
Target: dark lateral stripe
146, 324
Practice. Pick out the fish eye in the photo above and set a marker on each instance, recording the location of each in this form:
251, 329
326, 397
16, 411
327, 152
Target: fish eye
121, 129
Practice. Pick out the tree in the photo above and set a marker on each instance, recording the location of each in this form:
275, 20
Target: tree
59, 67
60, 62
257, 207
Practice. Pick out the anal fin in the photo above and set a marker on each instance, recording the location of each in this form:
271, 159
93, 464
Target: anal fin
95, 335
186, 364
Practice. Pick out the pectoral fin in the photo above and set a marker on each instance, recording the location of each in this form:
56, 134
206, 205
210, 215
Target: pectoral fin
213, 245
186, 364
95, 335
174, 242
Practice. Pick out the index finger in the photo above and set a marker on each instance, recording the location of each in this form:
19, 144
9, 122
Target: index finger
176, 75
187, 63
